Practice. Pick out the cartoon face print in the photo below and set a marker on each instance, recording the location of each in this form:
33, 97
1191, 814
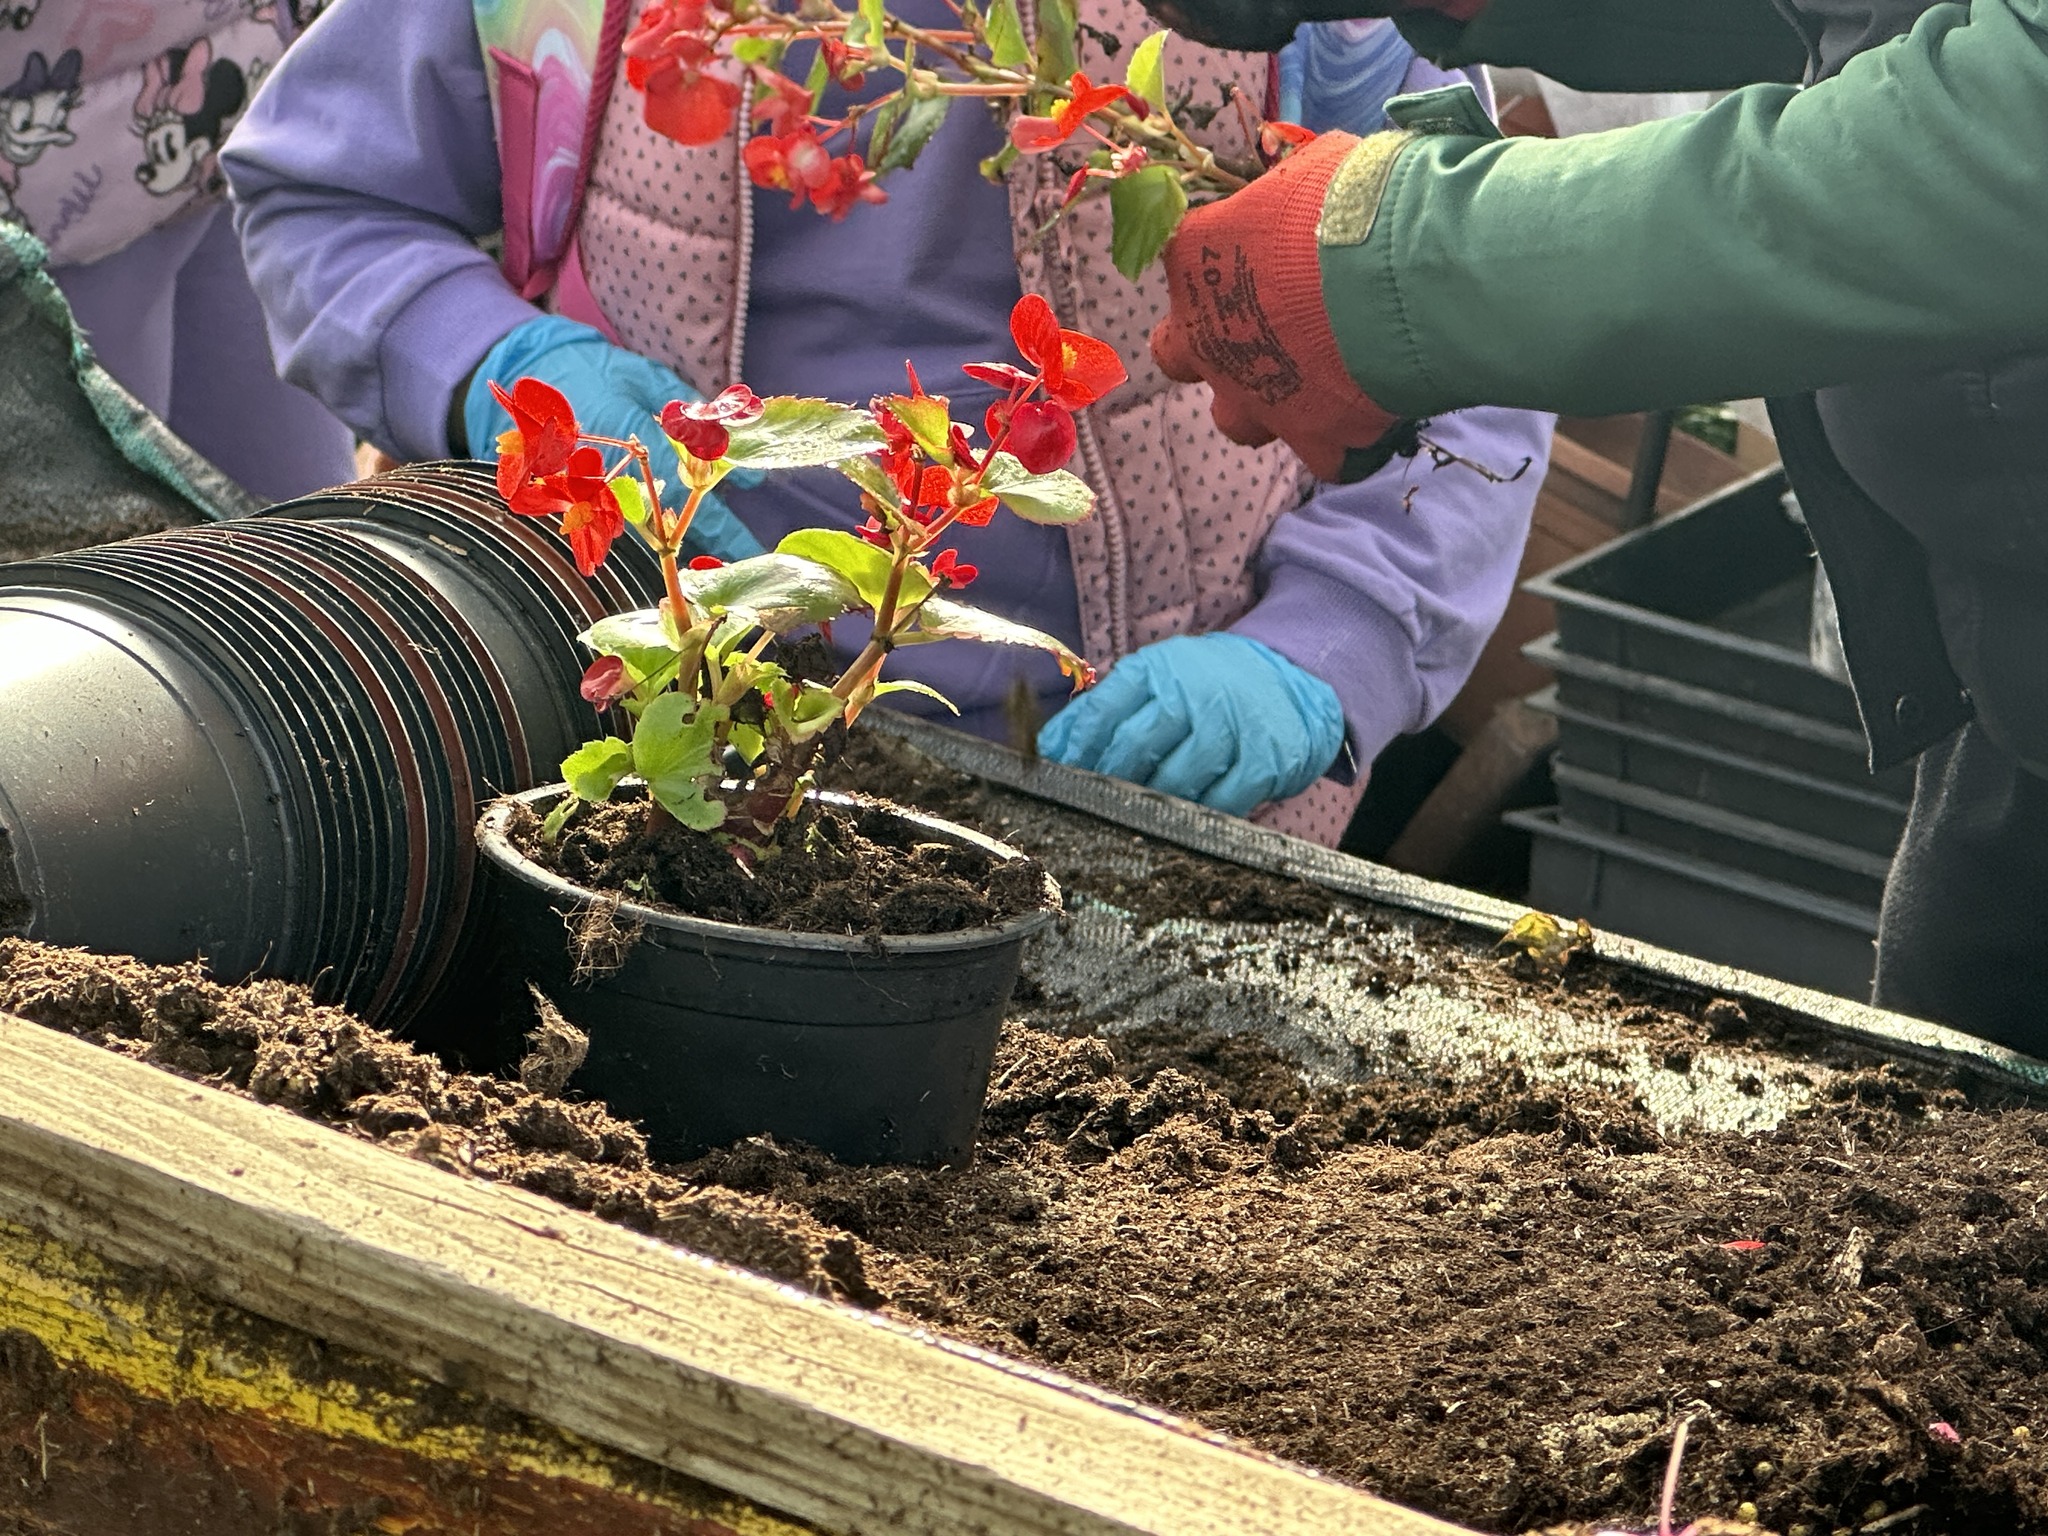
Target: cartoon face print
34, 109
189, 98
19, 13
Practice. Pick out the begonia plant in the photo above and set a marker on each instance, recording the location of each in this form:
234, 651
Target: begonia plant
723, 735
704, 65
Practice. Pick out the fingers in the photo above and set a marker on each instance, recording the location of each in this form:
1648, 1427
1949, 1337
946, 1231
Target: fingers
1174, 353
1205, 757
1143, 741
1079, 734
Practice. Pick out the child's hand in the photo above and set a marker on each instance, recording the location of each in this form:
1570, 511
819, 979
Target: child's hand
1215, 718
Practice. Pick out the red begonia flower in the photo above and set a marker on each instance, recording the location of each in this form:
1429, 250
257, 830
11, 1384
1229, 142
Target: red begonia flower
1279, 139
707, 563
605, 680
847, 183
542, 436
976, 514
1002, 375
847, 65
789, 162
785, 106
949, 570
1036, 135
591, 518
873, 531
685, 104
702, 428
1042, 434
1076, 370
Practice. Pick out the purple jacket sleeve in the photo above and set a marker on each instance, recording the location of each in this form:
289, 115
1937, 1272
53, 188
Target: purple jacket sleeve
1389, 598
363, 174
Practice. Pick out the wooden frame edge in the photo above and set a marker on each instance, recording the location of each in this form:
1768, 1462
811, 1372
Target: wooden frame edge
854, 1422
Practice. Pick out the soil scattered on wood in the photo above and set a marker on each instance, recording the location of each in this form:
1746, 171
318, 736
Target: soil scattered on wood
862, 870
1491, 1300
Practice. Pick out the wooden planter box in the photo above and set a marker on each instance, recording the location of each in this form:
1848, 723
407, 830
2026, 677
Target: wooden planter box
218, 1317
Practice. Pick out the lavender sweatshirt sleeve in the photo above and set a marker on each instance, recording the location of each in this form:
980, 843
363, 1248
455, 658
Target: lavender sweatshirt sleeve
1387, 596
363, 174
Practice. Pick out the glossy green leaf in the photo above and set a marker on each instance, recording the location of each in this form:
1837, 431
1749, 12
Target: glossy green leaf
1147, 72
921, 119
793, 433
1145, 209
858, 561
912, 685
674, 750
1058, 51
594, 769
776, 592
1006, 46
943, 620
926, 418
869, 475
632, 501
1057, 499
640, 639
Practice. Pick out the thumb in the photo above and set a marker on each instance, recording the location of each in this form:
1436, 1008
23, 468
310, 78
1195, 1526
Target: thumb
1174, 353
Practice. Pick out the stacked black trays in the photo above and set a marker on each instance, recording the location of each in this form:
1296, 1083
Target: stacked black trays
1714, 794
266, 743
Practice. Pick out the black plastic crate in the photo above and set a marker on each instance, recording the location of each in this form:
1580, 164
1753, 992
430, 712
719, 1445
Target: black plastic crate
1739, 727
1699, 907
1719, 596
1856, 816
1698, 830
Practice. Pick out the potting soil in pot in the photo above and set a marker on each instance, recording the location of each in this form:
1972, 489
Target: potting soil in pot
1341, 1182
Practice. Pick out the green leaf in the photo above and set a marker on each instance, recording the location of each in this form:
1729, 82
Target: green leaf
926, 418
816, 81
1006, 46
997, 166
870, 477
1058, 498
882, 126
858, 561
759, 50
552, 824
775, 592
921, 120
1145, 209
869, 26
1058, 56
594, 769
673, 749
793, 433
1147, 74
939, 619
626, 634
631, 502
911, 685
748, 741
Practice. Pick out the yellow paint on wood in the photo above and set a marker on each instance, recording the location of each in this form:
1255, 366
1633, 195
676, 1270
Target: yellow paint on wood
168, 1344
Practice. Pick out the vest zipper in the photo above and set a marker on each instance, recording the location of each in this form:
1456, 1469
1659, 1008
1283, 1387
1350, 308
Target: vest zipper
1107, 507
743, 278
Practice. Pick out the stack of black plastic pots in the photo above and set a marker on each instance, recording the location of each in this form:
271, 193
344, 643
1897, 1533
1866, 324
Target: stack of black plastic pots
265, 743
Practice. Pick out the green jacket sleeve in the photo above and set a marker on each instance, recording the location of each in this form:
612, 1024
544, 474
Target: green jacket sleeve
1621, 45
1889, 219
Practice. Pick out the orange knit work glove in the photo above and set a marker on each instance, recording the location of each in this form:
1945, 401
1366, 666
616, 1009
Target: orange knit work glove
1247, 317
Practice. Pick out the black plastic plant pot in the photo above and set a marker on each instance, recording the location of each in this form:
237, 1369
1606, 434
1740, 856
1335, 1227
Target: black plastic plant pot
875, 1050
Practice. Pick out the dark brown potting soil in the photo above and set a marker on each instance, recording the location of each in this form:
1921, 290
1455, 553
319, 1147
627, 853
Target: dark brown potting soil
843, 871
1490, 1299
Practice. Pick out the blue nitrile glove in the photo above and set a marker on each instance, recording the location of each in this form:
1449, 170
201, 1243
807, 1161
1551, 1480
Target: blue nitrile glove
616, 393
1215, 718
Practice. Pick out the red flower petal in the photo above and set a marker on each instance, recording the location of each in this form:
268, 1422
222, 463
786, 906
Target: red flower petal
1035, 135
693, 107
1035, 329
604, 680
1042, 435
707, 563
1088, 369
1002, 375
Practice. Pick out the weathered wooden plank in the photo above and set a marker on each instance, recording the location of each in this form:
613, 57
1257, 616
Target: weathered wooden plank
845, 1419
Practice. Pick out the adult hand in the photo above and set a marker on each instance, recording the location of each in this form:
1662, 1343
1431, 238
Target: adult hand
1267, 26
1247, 316
616, 393
1215, 718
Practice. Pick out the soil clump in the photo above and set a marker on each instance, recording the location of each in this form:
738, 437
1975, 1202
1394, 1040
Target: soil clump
861, 870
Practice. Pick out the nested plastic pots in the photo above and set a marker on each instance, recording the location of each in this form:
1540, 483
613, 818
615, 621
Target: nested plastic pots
875, 1050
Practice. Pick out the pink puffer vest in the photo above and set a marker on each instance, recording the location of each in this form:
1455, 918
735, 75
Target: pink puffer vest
112, 112
664, 245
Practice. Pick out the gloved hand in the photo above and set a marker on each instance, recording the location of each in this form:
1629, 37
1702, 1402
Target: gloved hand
1245, 277
1215, 718
616, 393
1267, 26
